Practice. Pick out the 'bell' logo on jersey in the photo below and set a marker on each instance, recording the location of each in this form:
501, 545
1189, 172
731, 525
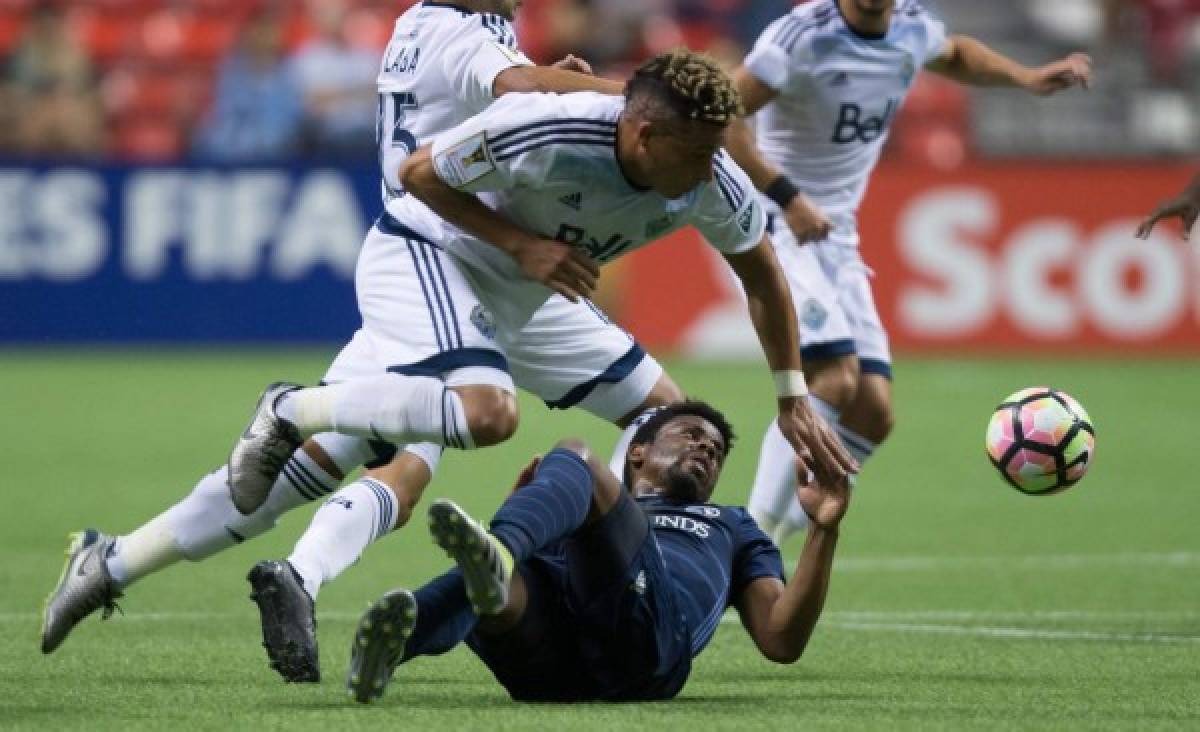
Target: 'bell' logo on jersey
852, 126
600, 251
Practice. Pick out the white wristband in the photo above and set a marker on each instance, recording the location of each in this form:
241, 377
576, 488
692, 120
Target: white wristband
789, 384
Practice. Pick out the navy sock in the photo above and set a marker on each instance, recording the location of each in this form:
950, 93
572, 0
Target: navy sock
552, 506
444, 616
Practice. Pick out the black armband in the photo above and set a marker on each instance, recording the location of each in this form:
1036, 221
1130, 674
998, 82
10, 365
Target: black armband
781, 191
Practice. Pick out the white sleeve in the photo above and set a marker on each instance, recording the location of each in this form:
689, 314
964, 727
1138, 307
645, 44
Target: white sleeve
486, 153
779, 55
474, 62
730, 217
935, 35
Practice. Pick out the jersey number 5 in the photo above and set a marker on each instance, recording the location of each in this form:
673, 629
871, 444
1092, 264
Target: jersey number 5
392, 133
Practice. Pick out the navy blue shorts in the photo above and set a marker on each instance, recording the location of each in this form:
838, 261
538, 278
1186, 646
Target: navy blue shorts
601, 623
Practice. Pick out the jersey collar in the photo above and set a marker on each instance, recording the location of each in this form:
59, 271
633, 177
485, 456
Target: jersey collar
861, 34
448, 6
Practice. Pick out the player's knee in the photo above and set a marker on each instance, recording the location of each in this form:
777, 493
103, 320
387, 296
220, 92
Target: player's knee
877, 420
575, 445
665, 392
492, 415
835, 381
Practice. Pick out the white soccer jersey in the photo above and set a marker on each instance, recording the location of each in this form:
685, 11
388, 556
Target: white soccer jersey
438, 70
839, 92
548, 163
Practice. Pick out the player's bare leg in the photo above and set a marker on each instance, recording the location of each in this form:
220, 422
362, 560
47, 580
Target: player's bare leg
870, 414
832, 384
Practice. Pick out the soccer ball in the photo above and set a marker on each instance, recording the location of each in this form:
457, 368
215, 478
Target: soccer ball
1041, 440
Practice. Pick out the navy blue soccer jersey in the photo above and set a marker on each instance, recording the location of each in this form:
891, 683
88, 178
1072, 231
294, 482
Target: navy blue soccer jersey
711, 553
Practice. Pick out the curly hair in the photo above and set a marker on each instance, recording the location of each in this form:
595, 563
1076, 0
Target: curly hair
689, 84
653, 420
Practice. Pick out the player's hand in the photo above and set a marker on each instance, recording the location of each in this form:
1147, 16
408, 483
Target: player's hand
816, 445
806, 220
1185, 207
1074, 70
563, 268
527, 473
825, 503
573, 63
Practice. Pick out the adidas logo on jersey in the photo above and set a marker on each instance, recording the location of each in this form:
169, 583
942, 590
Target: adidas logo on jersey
573, 200
841, 78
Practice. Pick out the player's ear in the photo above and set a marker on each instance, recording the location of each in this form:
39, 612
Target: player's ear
636, 456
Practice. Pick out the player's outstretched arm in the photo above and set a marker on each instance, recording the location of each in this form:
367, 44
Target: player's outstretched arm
969, 61
774, 318
568, 75
807, 221
1185, 207
782, 619
560, 267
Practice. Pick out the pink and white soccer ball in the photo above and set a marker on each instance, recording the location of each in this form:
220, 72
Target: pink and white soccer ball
1041, 440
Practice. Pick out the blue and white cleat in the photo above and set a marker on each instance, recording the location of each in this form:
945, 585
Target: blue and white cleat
260, 453
84, 587
379, 644
486, 564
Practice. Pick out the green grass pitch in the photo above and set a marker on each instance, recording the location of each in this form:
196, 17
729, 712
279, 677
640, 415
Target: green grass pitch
956, 603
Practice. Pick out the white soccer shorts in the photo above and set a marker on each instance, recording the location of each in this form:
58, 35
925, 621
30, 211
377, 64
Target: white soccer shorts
421, 316
835, 308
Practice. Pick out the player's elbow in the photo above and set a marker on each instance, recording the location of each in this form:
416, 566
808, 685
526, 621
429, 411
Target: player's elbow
783, 655
416, 170
517, 79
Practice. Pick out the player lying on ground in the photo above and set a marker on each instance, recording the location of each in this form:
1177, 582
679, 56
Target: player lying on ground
526, 192
665, 137
1185, 206
585, 590
444, 64
827, 81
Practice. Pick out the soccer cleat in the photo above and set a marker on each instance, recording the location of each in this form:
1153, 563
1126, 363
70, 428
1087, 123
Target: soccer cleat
379, 643
261, 451
486, 564
84, 587
289, 621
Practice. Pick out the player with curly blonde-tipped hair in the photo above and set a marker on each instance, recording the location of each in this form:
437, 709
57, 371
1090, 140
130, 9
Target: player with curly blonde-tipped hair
530, 197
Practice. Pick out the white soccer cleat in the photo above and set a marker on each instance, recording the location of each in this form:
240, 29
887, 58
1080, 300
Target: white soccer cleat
379, 644
487, 566
259, 454
84, 587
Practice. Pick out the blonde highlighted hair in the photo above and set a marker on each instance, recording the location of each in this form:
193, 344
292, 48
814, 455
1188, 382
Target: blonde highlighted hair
690, 84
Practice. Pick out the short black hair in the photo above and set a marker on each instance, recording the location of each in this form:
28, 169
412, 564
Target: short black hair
689, 408
689, 84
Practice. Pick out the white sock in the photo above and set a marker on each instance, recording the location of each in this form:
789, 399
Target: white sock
389, 407
774, 491
352, 519
206, 522
617, 462
858, 446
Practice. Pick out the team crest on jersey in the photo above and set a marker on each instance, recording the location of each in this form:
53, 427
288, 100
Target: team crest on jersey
711, 512
659, 226
483, 322
841, 78
572, 200
813, 314
468, 161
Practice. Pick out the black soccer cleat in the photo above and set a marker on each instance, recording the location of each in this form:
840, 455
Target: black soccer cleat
379, 643
289, 621
261, 450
